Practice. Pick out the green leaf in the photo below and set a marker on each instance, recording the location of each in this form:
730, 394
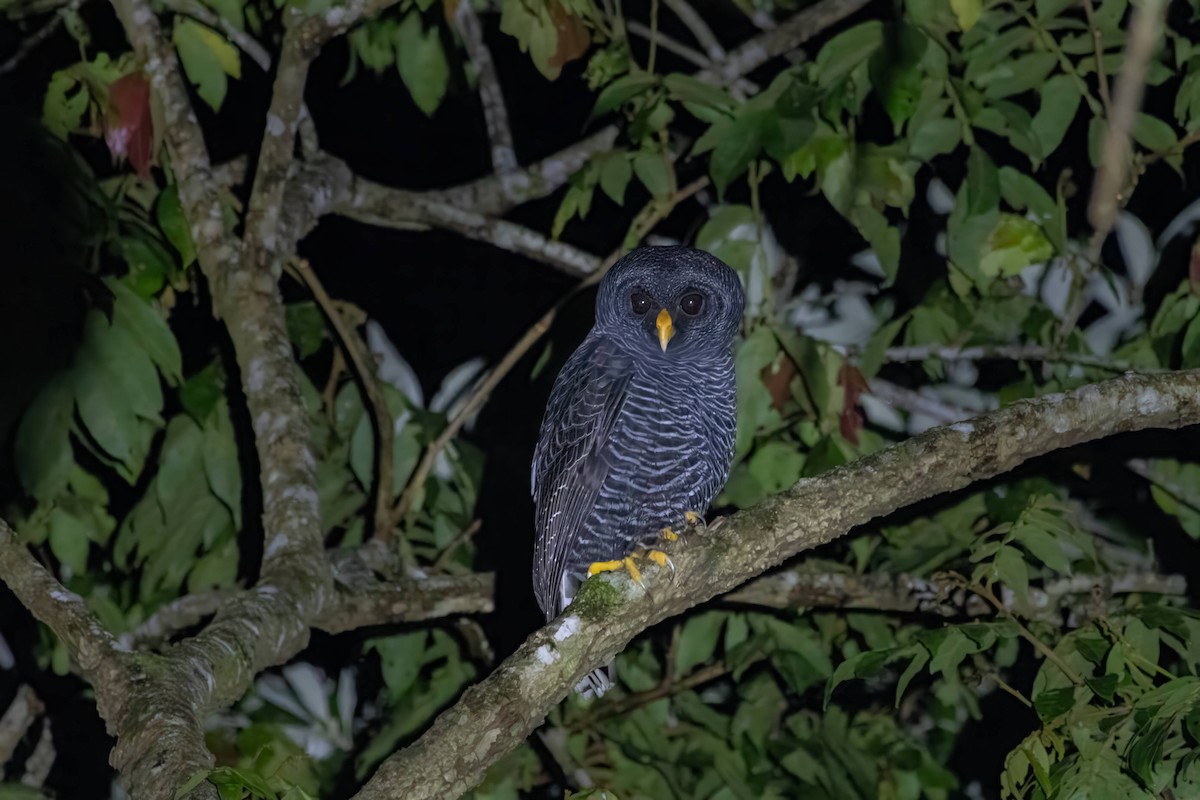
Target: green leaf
975, 214
64, 105
967, 12
1152, 133
1054, 703
859, 665
200, 393
42, 449
207, 59
149, 263
305, 326
1146, 751
621, 91
950, 651
1060, 104
615, 175
115, 385
69, 538
1024, 193
698, 641
421, 63
1012, 570
895, 71
221, 466
883, 238
1014, 244
1045, 547
919, 659
687, 89
846, 51
736, 149
1018, 76
174, 225
654, 171
776, 466
934, 137
147, 327
401, 657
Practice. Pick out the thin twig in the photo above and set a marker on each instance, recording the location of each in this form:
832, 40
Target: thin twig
1098, 46
169, 619
1024, 352
1028, 635
29, 43
653, 36
698, 27
495, 114
484, 389
356, 352
448, 550
667, 688
1110, 187
668, 43
916, 403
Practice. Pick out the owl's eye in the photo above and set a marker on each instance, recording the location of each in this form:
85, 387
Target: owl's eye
691, 304
641, 302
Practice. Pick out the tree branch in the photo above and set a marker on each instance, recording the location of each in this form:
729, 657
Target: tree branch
495, 715
794, 32
364, 369
801, 587
30, 42
699, 28
1023, 352
22, 712
495, 113
101, 659
329, 186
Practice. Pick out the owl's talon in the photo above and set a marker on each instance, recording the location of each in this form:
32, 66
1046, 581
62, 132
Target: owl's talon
663, 560
669, 535
694, 520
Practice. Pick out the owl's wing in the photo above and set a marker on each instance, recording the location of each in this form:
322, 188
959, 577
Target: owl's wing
570, 463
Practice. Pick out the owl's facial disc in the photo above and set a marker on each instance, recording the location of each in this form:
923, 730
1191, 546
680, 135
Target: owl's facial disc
666, 328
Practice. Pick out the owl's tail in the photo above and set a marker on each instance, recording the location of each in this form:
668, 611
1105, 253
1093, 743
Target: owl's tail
596, 683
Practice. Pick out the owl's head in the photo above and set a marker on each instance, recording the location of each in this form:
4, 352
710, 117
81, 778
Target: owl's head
670, 303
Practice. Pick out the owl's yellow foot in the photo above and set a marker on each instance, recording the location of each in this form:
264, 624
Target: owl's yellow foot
692, 520
635, 574
629, 563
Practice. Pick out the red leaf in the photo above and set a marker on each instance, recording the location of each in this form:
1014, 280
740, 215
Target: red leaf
778, 380
128, 127
573, 38
854, 384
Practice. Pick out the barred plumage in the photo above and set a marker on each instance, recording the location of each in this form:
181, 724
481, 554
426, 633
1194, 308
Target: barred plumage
640, 425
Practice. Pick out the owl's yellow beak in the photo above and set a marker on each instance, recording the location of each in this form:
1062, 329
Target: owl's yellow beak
666, 329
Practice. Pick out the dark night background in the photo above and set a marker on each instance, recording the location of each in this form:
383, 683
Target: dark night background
442, 299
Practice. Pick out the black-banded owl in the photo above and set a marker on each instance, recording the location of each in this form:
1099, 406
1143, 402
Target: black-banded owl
640, 427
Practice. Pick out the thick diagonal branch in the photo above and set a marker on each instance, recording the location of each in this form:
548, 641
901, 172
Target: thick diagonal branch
99, 657
495, 715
